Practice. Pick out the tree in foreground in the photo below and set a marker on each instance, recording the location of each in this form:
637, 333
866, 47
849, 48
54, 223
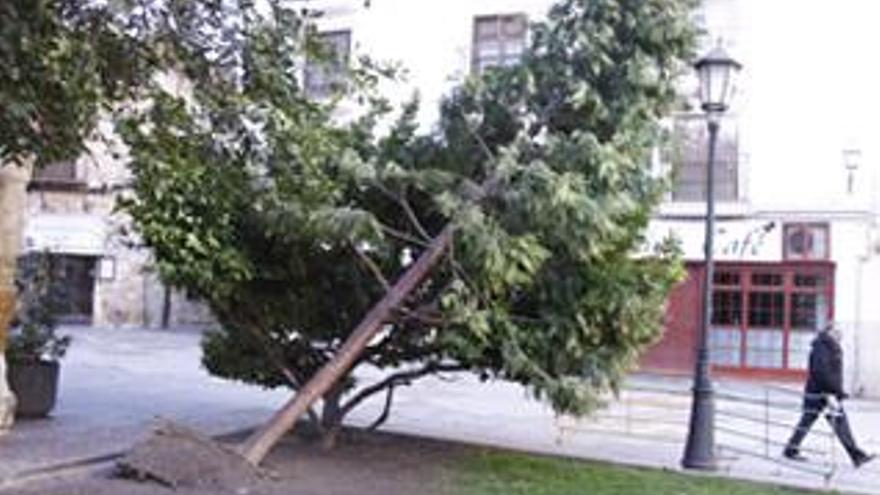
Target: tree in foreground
504, 244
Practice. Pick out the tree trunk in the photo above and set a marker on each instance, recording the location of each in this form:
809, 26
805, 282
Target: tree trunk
258, 445
13, 197
166, 308
331, 417
330, 437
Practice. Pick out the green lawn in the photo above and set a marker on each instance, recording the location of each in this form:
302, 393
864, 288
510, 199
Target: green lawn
492, 472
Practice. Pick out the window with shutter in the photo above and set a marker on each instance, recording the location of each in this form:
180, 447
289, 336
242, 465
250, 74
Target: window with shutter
689, 156
499, 41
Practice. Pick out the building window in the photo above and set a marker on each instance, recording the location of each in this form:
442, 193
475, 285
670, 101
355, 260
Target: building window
689, 155
499, 41
62, 173
766, 317
325, 71
806, 241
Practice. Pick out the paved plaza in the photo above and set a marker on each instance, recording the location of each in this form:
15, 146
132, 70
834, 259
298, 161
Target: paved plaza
116, 382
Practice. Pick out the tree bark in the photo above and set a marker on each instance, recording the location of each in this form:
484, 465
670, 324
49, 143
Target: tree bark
166, 308
330, 436
13, 196
258, 445
331, 416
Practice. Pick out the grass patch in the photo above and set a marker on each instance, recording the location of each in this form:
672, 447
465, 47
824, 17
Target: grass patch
491, 472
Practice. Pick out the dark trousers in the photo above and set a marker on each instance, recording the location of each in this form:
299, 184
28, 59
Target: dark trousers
813, 407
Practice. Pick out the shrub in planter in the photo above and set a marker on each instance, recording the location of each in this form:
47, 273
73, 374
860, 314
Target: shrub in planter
34, 347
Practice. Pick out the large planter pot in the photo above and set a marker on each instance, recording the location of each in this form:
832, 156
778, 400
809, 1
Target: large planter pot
35, 385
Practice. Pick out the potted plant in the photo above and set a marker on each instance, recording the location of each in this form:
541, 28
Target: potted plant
34, 348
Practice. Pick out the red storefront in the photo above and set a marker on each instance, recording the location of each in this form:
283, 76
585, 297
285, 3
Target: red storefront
764, 318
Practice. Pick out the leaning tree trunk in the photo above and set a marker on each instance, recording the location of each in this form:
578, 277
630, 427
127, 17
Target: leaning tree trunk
13, 196
258, 445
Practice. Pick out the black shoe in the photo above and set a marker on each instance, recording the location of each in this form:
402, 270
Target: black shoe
794, 455
864, 459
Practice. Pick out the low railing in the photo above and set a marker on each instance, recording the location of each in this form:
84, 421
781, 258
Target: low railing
755, 423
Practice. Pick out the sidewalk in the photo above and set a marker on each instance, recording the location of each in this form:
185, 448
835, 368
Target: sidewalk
115, 382
644, 427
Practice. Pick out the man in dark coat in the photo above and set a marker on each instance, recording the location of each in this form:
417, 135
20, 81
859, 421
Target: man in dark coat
825, 381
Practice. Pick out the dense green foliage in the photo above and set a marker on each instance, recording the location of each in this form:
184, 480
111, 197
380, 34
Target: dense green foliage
63, 62
492, 472
290, 224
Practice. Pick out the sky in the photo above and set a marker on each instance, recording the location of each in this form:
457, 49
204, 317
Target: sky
810, 88
810, 84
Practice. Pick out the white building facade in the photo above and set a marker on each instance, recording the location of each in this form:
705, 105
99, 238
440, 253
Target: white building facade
107, 280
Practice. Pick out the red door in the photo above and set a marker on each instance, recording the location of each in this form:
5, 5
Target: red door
675, 351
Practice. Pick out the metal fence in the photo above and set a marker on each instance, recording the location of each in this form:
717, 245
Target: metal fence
753, 421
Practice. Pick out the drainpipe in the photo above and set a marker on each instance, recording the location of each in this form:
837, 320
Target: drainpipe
13, 202
861, 259
857, 355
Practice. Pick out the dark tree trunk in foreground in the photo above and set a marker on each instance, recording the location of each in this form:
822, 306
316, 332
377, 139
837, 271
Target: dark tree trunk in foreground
261, 442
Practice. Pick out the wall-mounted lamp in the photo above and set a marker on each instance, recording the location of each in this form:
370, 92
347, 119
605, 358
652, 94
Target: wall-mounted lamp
851, 161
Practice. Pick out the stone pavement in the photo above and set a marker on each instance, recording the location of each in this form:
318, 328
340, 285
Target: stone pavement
116, 382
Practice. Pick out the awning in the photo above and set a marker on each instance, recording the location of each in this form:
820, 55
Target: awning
67, 234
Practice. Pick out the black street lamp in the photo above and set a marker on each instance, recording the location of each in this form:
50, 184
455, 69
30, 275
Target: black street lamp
716, 71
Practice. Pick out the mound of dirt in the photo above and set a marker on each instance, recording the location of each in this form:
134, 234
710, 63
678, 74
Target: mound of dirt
178, 457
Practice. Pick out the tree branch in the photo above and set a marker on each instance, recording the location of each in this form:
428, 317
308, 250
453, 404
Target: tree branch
386, 411
403, 236
401, 378
373, 267
401, 200
426, 316
407, 208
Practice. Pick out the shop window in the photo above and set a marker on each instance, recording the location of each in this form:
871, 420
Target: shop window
725, 336
766, 318
725, 345
766, 309
806, 241
809, 312
764, 348
809, 280
726, 307
724, 277
767, 279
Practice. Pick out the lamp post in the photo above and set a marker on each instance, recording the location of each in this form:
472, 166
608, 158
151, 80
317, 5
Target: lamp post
715, 71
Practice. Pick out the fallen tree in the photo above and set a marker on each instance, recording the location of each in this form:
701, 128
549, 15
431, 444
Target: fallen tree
523, 213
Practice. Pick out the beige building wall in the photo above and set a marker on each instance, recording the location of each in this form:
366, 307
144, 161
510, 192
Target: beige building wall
76, 216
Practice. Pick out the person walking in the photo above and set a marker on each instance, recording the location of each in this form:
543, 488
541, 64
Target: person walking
824, 393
